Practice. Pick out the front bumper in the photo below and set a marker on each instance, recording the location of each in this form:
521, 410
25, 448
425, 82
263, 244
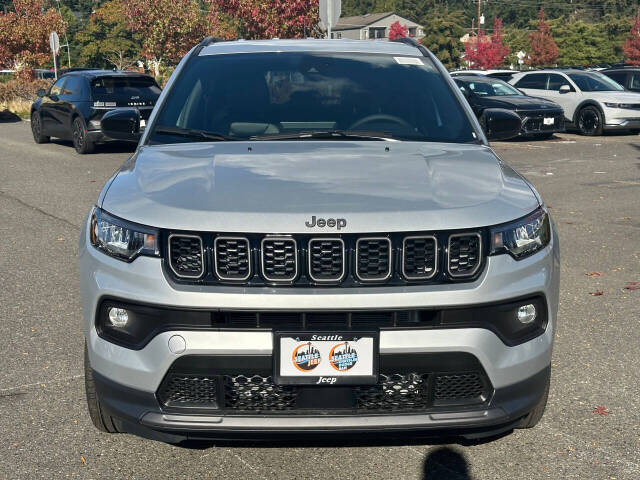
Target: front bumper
129, 379
138, 413
621, 118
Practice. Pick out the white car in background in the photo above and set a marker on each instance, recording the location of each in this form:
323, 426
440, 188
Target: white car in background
592, 102
497, 73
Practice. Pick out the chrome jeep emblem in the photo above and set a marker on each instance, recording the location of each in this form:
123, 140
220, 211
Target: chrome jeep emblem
338, 223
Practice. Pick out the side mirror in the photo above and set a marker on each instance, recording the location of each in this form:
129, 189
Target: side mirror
565, 88
41, 92
121, 124
500, 124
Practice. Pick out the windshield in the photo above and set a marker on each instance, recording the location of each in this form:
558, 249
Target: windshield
490, 88
595, 82
285, 95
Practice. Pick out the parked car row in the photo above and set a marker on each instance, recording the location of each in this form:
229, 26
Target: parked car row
592, 101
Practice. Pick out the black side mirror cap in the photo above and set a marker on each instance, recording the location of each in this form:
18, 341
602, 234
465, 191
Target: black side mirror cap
41, 92
121, 124
500, 124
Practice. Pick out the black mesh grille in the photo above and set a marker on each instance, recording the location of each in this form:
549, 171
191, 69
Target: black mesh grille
464, 255
232, 258
189, 391
419, 258
395, 392
462, 386
255, 393
373, 258
252, 393
326, 259
279, 259
186, 255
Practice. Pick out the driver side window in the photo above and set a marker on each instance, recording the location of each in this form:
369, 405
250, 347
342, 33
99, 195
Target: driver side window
56, 88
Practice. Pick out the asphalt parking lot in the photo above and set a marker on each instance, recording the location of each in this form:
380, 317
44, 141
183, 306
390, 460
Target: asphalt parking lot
591, 429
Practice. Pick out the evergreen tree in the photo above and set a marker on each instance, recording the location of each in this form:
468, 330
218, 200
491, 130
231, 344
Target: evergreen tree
443, 31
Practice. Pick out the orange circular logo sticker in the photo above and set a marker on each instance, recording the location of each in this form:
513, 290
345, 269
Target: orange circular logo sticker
305, 357
343, 356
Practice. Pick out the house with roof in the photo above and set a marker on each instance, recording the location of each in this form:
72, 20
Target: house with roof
373, 26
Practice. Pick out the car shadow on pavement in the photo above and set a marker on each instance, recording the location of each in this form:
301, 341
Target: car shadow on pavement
445, 463
9, 117
109, 147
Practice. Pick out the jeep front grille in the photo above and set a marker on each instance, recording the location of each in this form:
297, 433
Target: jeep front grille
326, 259
419, 257
347, 260
186, 255
279, 259
373, 259
464, 254
232, 258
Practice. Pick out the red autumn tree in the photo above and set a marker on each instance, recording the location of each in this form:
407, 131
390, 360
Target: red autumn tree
260, 19
632, 45
24, 34
499, 50
544, 50
397, 31
485, 51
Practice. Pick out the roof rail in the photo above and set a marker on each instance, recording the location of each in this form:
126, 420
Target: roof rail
205, 43
412, 42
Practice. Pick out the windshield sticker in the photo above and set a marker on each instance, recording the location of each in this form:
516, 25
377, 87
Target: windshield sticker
408, 60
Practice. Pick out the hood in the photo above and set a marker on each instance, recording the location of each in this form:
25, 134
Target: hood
523, 103
277, 186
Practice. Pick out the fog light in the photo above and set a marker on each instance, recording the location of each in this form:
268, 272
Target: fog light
526, 313
118, 317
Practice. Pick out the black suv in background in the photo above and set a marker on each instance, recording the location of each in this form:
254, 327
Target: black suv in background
75, 103
628, 77
540, 118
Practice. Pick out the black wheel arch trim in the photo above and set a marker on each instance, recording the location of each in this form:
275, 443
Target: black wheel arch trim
587, 103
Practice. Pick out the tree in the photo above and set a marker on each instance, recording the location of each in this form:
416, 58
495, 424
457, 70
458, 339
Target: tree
397, 31
632, 45
499, 50
259, 19
485, 51
168, 28
443, 31
107, 41
24, 34
544, 50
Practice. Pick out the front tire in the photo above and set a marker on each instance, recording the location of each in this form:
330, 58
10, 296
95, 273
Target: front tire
535, 415
589, 121
100, 419
81, 141
36, 129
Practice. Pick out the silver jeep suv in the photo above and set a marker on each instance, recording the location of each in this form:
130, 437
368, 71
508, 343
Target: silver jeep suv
314, 236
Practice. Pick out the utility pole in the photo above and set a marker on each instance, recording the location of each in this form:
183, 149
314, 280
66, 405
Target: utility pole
478, 17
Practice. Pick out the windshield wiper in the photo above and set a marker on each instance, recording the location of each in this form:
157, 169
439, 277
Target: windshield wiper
328, 135
193, 133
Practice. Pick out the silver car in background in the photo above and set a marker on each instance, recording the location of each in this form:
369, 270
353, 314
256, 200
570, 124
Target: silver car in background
314, 237
592, 102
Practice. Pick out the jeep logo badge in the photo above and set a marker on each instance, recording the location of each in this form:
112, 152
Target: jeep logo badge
338, 223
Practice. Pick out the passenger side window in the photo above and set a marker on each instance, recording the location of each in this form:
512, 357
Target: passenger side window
635, 82
73, 88
56, 88
536, 81
556, 81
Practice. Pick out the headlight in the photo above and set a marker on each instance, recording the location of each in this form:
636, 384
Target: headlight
620, 105
523, 237
121, 239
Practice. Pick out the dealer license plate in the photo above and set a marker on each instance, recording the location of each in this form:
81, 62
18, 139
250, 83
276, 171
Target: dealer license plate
326, 358
548, 120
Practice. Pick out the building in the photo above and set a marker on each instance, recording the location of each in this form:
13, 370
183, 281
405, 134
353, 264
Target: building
373, 26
